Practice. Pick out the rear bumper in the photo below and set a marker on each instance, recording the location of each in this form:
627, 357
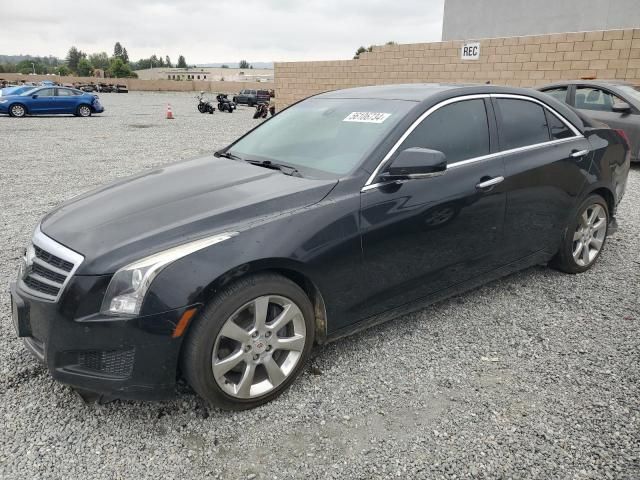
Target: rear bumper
128, 358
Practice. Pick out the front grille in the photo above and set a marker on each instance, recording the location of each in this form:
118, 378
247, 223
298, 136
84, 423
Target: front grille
48, 267
118, 363
51, 259
46, 273
39, 286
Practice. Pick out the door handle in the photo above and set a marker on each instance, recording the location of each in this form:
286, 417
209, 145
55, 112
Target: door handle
579, 153
489, 183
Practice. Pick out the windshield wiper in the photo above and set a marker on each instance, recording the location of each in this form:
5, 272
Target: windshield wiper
227, 155
286, 169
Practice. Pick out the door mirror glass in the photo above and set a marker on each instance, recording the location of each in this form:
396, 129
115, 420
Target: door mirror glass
416, 162
34, 95
621, 107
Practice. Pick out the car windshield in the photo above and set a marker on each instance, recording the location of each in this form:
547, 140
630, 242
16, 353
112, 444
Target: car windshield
27, 91
16, 90
633, 92
325, 137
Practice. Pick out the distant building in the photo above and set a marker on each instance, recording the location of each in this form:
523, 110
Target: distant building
465, 20
209, 74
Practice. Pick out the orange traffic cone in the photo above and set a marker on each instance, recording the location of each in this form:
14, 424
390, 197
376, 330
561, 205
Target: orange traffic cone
169, 112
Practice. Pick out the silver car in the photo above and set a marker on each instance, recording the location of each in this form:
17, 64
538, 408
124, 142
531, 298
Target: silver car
615, 103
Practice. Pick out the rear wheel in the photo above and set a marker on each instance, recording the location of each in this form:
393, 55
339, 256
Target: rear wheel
17, 110
84, 111
250, 342
585, 236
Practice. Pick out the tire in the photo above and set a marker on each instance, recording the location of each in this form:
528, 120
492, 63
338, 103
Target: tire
258, 358
202, 108
84, 110
17, 110
589, 226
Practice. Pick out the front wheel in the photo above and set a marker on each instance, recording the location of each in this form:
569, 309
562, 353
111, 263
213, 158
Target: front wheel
585, 236
250, 342
84, 111
17, 110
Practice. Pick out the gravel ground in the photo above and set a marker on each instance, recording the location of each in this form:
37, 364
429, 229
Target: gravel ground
533, 376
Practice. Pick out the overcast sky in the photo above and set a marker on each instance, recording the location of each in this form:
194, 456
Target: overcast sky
217, 30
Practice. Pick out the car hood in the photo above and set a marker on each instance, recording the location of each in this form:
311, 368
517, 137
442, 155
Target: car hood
140, 215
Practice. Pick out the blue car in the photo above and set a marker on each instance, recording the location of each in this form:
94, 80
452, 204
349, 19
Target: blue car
51, 100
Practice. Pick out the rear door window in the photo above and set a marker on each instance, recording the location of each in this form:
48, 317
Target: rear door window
63, 92
459, 130
522, 123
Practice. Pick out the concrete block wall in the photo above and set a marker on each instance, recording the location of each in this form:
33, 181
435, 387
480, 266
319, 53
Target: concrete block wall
519, 61
135, 84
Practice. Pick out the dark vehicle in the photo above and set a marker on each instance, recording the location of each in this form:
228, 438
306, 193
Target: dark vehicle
345, 210
106, 88
252, 97
121, 89
612, 102
204, 106
88, 88
224, 104
262, 110
51, 101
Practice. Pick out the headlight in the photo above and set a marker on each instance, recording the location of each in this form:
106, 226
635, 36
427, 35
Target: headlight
130, 284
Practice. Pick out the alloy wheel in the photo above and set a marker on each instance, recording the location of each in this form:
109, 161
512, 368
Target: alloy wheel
259, 346
17, 111
589, 235
84, 111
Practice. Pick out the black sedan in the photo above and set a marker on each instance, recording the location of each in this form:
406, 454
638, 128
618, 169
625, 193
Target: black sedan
615, 103
347, 209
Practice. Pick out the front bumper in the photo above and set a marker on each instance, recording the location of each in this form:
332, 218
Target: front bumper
128, 358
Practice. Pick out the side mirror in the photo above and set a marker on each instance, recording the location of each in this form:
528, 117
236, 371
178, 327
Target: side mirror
416, 162
621, 107
35, 95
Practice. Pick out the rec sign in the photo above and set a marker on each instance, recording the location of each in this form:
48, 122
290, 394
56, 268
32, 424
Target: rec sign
470, 51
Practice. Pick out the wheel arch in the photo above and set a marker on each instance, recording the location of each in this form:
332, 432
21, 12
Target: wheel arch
607, 194
289, 269
26, 109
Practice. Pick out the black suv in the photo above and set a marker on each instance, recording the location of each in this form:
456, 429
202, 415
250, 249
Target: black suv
252, 97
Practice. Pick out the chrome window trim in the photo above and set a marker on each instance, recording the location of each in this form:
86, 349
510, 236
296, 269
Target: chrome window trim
51, 246
370, 185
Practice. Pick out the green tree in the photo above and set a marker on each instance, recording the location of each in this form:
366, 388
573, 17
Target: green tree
119, 69
99, 60
182, 63
117, 50
167, 61
244, 64
62, 70
358, 52
224, 66
125, 56
73, 58
84, 68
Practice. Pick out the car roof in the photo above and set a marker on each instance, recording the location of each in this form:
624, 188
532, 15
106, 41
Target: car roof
596, 83
419, 92
427, 93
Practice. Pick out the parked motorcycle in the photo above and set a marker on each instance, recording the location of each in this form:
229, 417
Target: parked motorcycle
224, 104
262, 110
204, 106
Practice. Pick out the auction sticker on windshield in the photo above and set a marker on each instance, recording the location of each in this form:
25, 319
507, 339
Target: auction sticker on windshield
367, 117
